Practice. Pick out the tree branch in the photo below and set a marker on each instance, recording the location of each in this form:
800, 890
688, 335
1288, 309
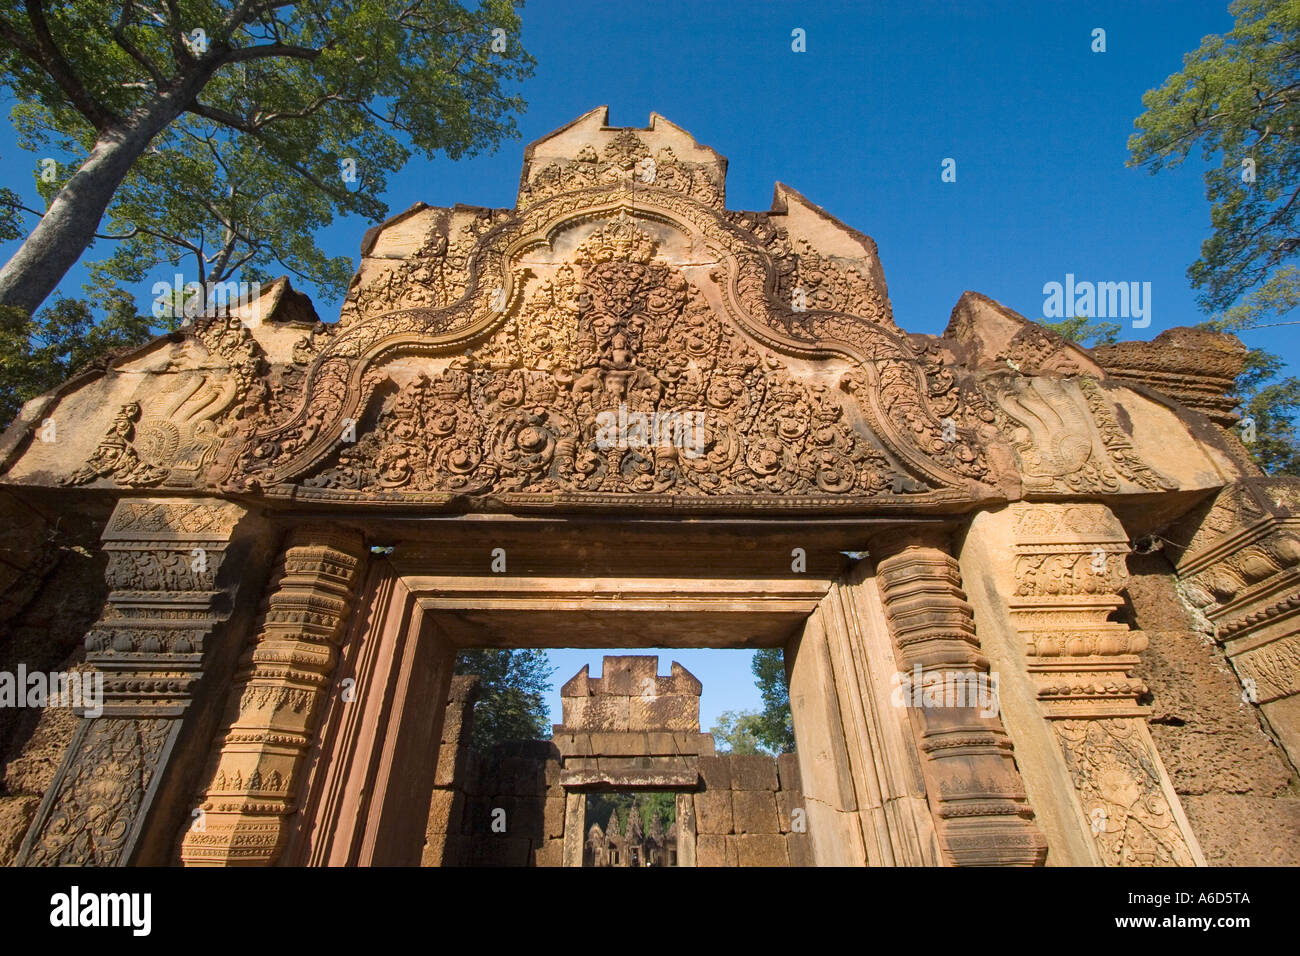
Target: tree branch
45, 54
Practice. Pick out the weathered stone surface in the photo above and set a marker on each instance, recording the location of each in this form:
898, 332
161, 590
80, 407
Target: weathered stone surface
630, 696
551, 853
787, 801
441, 803
787, 772
15, 816
620, 744
754, 811
711, 849
733, 851
555, 816
716, 772
498, 850
630, 778
753, 772
528, 818
799, 849
1224, 767
760, 849
713, 811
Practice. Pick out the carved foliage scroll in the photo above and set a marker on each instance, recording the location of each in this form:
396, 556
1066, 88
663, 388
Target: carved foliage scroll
617, 346
908, 399
1115, 771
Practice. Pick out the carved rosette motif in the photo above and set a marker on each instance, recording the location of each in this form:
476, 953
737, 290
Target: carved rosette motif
1070, 575
275, 704
982, 813
163, 605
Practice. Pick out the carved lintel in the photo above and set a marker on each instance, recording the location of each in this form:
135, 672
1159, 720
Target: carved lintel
982, 813
252, 785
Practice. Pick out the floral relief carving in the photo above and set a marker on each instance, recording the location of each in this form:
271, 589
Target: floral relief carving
97, 803
435, 276
615, 334
626, 158
1129, 815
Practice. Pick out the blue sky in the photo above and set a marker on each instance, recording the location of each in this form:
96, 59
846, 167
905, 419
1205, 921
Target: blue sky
860, 124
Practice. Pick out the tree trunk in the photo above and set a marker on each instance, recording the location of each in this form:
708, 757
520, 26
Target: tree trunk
69, 225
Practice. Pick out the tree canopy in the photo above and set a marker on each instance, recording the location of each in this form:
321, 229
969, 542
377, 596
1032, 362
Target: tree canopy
513, 685
737, 732
39, 353
1237, 98
775, 726
225, 132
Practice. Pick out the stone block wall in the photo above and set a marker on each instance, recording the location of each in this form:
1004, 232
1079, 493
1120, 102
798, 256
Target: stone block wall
747, 813
521, 780
1234, 781
442, 838
506, 821
629, 730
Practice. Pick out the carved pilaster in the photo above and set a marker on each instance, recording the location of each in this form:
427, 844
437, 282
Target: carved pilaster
982, 814
164, 604
275, 704
1238, 560
1069, 578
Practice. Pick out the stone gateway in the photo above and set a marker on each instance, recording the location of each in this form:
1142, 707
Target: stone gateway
271, 535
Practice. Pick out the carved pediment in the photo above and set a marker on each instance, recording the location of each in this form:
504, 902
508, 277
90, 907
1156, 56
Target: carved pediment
615, 377
621, 338
488, 356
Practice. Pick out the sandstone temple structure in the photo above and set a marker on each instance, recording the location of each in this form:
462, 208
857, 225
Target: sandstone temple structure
627, 731
1036, 604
